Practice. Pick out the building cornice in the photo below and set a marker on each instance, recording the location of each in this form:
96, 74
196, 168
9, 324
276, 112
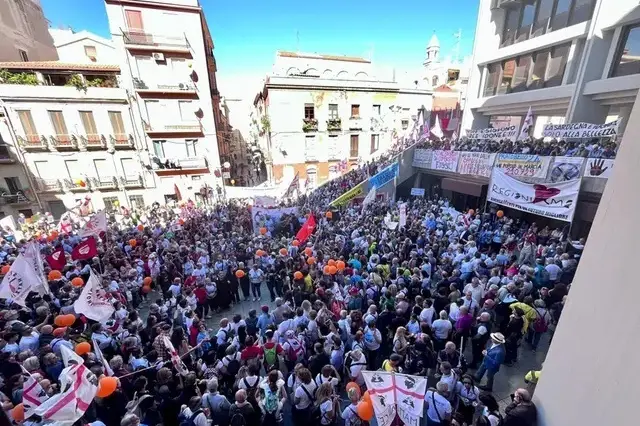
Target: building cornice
155, 5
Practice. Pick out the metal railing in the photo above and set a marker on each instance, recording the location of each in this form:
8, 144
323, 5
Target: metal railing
48, 185
63, 142
103, 182
93, 141
16, 198
33, 142
121, 140
183, 163
139, 37
131, 181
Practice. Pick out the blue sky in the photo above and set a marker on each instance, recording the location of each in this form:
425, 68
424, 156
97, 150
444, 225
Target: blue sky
248, 33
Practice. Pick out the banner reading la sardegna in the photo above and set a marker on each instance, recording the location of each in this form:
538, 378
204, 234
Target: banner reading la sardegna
581, 130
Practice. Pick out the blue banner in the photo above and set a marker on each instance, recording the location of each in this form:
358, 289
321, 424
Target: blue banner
385, 176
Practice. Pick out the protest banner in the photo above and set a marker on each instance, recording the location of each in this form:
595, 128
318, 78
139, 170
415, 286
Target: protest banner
566, 168
263, 217
384, 176
422, 158
599, 167
581, 130
476, 163
492, 134
344, 199
417, 192
445, 160
555, 201
523, 165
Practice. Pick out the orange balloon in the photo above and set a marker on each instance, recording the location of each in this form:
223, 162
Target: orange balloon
329, 215
132, 242
54, 275
83, 348
239, 273
326, 270
140, 227
341, 265
333, 270
146, 289
308, 251
352, 385
263, 230
54, 234
311, 260
77, 282
259, 253
59, 321
366, 397
5, 269
499, 213
331, 262
365, 410
68, 320
297, 275
283, 251
17, 413
295, 243
181, 221
147, 281
107, 386
471, 212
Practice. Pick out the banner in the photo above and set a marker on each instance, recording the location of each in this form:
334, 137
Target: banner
57, 259
389, 223
422, 158
402, 215
178, 364
523, 165
32, 394
476, 163
95, 226
370, 198
492, 134
265, 201
581, 130
93, 302
307, 229
599, 167
33, 256
85, 250
263, 217
382, 392
349, 195
555, 201
19, 281
410, 391
445, 160
385, 176
566, 168
418, 192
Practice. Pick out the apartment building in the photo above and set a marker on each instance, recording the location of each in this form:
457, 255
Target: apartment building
166, 58
320, 115
67, 134
569, 60
83, 47
23, 31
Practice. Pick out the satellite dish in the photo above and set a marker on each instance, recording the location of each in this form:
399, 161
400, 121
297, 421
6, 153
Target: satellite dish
199, 113
194, 76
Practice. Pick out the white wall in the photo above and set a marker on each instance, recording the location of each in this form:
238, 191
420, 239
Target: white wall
326, 68
71, 47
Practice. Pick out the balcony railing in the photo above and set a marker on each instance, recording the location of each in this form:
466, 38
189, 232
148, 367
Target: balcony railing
76, 184
121, 141
184, 163
18, 198
33, 142
93, 141
63, 142
105, 182
309, 125
179, 86
310, 156
355, 123
48, 185
131, 182
334, 125
141, 38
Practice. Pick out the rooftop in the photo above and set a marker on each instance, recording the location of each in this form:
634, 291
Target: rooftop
326, 57
57, 66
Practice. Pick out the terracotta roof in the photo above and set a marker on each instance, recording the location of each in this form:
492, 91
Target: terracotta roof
54, 65
327, 57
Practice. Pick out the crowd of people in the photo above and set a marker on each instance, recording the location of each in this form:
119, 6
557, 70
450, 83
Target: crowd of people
594, 148
450, 296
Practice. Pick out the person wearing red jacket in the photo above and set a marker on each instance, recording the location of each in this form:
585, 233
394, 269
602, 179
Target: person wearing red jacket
202, 308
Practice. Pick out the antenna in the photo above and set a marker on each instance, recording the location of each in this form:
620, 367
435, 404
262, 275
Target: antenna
456, 47
297, 41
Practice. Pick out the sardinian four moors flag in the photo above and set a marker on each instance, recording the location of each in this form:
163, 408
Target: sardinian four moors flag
19, 281
175, 359
382, 391
32, 394
526, 125
410, 392
78, 388
93, 302
33, 256
95, 226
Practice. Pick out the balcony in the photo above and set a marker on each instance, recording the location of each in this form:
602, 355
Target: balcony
355, 123
93, 141
26, 93
103, 183
334, 125
309, 125
138, 39
506, 4
183, 166
131, 182
174, 130
17, 198
48, 185
122, 141
76, 184
310, 156
33, 143
63, 142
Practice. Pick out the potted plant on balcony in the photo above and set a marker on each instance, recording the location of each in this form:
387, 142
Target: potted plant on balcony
24, 78
78, 82
334, 124
309, 125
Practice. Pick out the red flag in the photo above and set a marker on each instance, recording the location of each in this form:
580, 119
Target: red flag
85, 250
57, 259
307, 229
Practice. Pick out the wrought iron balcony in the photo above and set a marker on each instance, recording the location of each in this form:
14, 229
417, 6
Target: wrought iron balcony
141, 38
122, 141
33, 142
334, 125
131, 181
17, 198
76, 184
48, 185
93, 141
309, 125
104, 182
62, 142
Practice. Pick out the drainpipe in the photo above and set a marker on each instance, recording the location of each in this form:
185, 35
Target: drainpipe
21, 157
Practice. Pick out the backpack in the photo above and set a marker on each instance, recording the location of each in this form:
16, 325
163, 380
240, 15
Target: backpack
355, 420
251, 392
237, 420
133, 406
252, 326
271, 357
270, 402
295, 353
539, 325
232, 367
189, 421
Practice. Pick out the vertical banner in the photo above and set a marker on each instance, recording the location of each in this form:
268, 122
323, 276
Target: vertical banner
566, 168
381, 388
402, 214
445, 160
410, 391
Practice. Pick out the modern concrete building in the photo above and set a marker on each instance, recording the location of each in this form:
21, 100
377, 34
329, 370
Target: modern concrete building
23, 32
570, 60
319, 115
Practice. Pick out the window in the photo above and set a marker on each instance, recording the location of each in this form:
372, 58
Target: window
136, 201
540, 60
43, 169
526, 21
73, 169
23, 55
28, 125
309, 111
508, 68
434, 81
333, 147
510, 27
191, 147
355, 111
375, 143
26, 212
90, 52
196, 177
521, 74
13, 184
158, 148
560, 15
110, 204
310, 148
134, 20
376, 110
557, 65
493, 77
4, 149
405, 124
627, 60
129, 167
453, 75
353, 147
117, 125
186, 111
89, 124
333, 112
543, 14
582, 11
312, 177
59, 126
103, 169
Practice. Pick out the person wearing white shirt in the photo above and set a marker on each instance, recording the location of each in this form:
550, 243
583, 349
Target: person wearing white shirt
256, 276
356, 362
553, 270
175, 288
469, 301
438, 406
428, 313
475, 288
223, 333
441, 329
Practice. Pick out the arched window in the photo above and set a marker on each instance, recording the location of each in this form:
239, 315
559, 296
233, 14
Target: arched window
343, 74
293, 71
434, 81
362, 75
311, 71
327, 73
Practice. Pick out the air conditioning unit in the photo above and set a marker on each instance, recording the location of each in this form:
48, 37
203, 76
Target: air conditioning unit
157, 56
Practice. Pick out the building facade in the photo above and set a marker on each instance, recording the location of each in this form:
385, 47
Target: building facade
569, 60
166, 57
83, 47
24, 33
320, 115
